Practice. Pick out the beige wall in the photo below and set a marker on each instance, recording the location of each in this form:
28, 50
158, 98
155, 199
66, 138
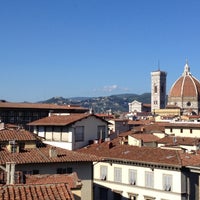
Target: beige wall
185, 132
83, 170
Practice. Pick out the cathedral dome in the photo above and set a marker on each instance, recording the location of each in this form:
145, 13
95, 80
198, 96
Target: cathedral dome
185, 92
185, 86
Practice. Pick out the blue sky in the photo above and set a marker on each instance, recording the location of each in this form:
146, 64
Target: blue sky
74, 48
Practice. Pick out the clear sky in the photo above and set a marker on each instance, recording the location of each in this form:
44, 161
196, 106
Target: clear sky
74, 48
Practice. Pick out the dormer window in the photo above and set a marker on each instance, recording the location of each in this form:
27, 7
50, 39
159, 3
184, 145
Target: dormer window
21, 146
13, 146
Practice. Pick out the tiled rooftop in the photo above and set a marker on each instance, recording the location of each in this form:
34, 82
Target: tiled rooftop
115, 151
40, 106
36, 192
183, 125
170, 140
61, 120
17, 135
71, 179
145, 137
42, 155
150, 128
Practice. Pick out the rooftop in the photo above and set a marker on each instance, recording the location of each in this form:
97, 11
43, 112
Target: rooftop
62, 120
43, 155
150, 155
171, 140
39, 106
71, 179
16, 134
51, 191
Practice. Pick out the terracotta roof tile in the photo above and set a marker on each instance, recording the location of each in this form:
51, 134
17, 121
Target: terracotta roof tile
62, 120
18, 135
183, 125
152, 155
40, 106
149, 127
145, 137
42, 155
138, 122
35, 192
170, 140
71, 179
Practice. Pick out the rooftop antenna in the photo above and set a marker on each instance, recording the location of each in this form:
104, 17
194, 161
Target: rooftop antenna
158, 65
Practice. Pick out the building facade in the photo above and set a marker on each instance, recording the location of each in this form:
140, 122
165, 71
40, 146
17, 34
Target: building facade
143, 173
71, 131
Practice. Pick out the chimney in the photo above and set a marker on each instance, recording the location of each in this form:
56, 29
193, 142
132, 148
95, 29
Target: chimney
10, 169
110, 145
2, 125
52, 152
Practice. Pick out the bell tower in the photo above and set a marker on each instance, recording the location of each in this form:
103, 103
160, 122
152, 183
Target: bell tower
158, 90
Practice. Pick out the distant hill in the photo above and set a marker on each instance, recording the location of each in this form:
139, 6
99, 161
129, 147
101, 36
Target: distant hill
116, 103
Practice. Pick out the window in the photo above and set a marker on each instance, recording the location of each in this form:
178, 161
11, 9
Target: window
133, 196
103, 172
155, 89
65, 137
188, 103
27, 172
21, 146
117, 174
69, 170
191, 130
181, 130
149, 198
101, 132
132, 174
13, 146
56, 135
35, 171
79, 133
61, 171
149, 179
167, 182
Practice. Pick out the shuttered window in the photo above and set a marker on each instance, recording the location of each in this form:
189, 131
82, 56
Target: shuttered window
117, 174
149, 179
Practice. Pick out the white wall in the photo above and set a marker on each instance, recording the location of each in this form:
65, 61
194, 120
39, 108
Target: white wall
140, 188
67, 139
90, 130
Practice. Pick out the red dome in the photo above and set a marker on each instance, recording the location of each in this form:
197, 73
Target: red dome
185, 86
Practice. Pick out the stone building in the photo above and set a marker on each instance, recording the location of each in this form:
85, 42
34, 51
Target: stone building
158, 90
